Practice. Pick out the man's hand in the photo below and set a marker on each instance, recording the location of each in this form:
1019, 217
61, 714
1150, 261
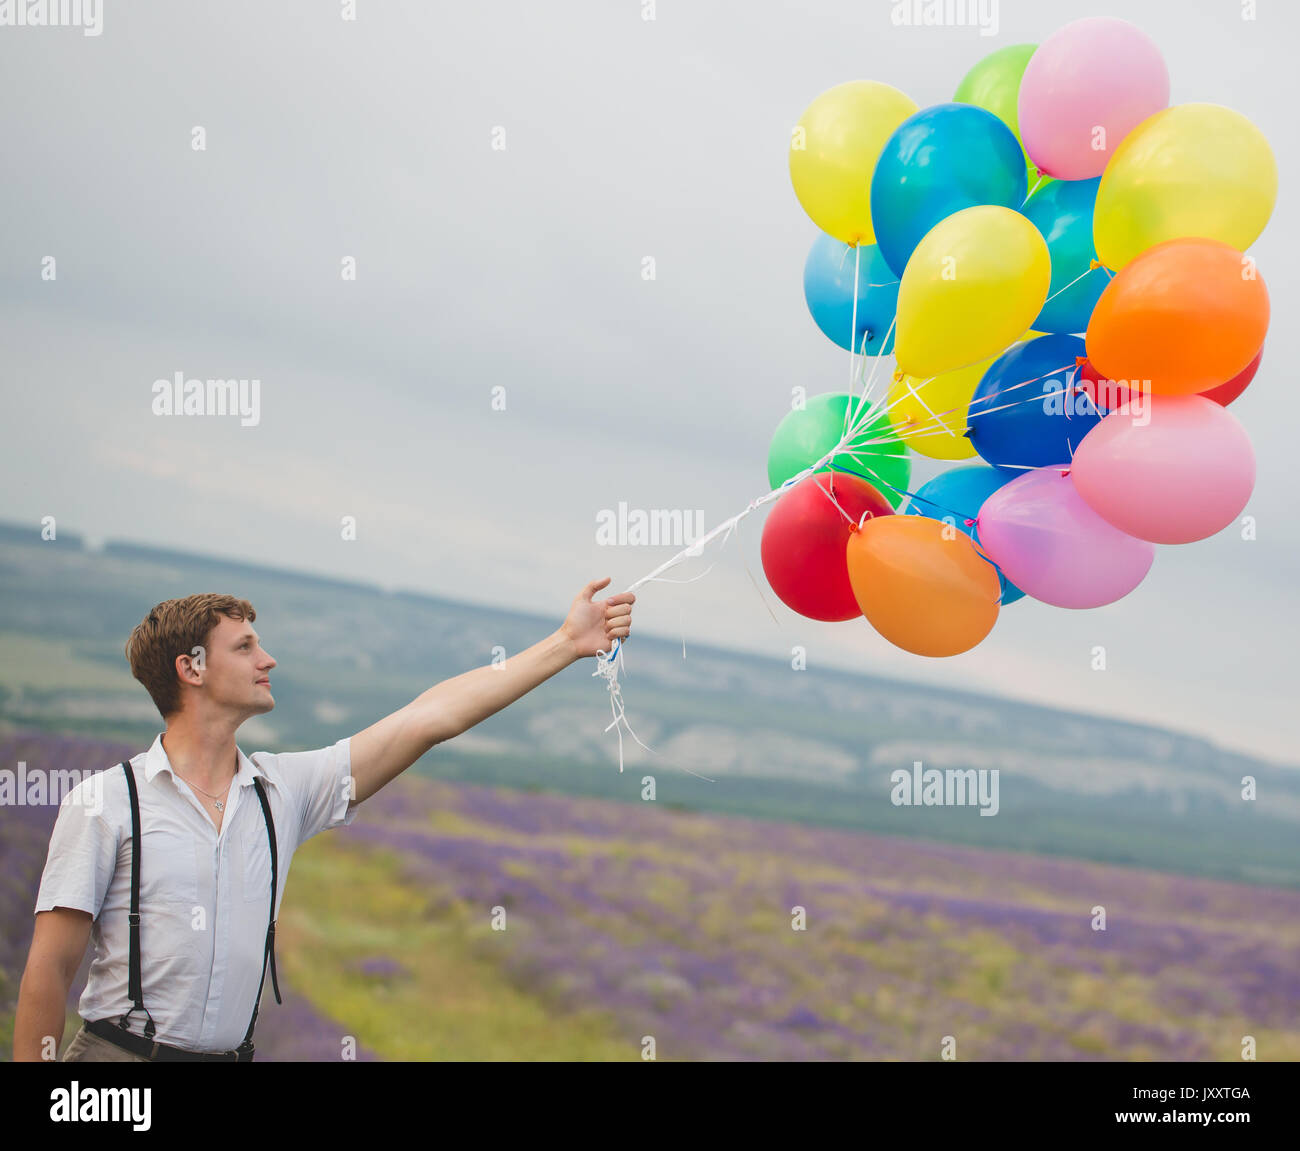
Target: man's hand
594, 625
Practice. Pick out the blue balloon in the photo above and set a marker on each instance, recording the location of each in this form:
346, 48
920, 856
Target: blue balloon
1062, 213
828, 288
1026, 409
956, 496
937, 162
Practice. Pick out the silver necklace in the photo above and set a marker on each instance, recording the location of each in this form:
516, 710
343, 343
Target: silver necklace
216, 802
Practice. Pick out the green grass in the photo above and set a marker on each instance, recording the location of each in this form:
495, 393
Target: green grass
346, 903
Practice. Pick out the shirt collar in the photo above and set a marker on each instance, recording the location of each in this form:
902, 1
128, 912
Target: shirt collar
156, 760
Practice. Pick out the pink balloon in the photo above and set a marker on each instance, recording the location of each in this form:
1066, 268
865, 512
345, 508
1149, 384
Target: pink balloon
1054, 547
1176, 469
1094, 74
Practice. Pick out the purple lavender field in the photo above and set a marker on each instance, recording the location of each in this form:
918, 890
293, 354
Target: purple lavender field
624, 921
679, 926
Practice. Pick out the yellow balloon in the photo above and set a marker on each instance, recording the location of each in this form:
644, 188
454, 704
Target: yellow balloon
975, 282
1189, 170
930, 416
833, 152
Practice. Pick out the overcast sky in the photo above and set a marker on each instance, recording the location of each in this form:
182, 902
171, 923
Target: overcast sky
521, 268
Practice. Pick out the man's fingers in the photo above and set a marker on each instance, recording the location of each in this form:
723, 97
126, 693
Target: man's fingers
622, 610
592, 588
622, 597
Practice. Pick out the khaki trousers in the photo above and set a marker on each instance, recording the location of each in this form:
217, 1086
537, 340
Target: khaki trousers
88, 1048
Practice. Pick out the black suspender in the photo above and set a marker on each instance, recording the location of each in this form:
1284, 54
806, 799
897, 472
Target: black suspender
135, 987
269, 950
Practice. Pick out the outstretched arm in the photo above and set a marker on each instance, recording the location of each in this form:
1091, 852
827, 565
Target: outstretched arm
384, 750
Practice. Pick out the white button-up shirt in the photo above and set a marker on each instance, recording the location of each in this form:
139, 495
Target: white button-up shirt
205, 895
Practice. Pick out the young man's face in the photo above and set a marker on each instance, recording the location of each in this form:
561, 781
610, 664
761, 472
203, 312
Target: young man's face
238, 669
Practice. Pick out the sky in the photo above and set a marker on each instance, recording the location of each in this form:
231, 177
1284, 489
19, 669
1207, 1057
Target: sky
500, 371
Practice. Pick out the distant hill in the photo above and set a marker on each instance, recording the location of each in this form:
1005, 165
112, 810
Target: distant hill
809, 746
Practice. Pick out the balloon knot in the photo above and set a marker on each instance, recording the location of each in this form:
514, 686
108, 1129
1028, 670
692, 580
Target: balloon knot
1079, 361
969, 523
1093, 264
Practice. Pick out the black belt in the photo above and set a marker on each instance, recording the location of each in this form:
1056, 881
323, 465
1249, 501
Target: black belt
163, 1052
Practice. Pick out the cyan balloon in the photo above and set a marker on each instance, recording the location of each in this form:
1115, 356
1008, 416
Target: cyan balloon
937, 162
1062, 213
956, 496
828, 289
1026, 412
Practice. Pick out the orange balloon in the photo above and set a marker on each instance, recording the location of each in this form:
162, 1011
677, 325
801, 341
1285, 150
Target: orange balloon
922, 585
1180, 317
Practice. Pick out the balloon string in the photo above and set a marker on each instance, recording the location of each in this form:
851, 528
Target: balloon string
829, 492
856, 451
1071, 284
608, 669
853, 338
979, 551
1071, 387
853, 330
844, 256
751, 580
922, 426
861, 418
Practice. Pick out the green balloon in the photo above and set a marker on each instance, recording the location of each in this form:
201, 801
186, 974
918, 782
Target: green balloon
804, 436
994, 85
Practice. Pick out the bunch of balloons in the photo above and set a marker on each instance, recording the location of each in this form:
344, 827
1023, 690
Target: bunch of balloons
1056, 261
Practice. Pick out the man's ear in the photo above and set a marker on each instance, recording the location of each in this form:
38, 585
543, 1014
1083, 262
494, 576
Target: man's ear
190, 667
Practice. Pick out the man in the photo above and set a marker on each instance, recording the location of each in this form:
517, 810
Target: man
181, 978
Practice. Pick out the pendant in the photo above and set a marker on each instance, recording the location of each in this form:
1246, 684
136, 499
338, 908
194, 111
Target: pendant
219, 805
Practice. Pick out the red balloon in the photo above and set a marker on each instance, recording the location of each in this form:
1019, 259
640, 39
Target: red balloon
1103, 392
1107, 395
1227, 392
805, 543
